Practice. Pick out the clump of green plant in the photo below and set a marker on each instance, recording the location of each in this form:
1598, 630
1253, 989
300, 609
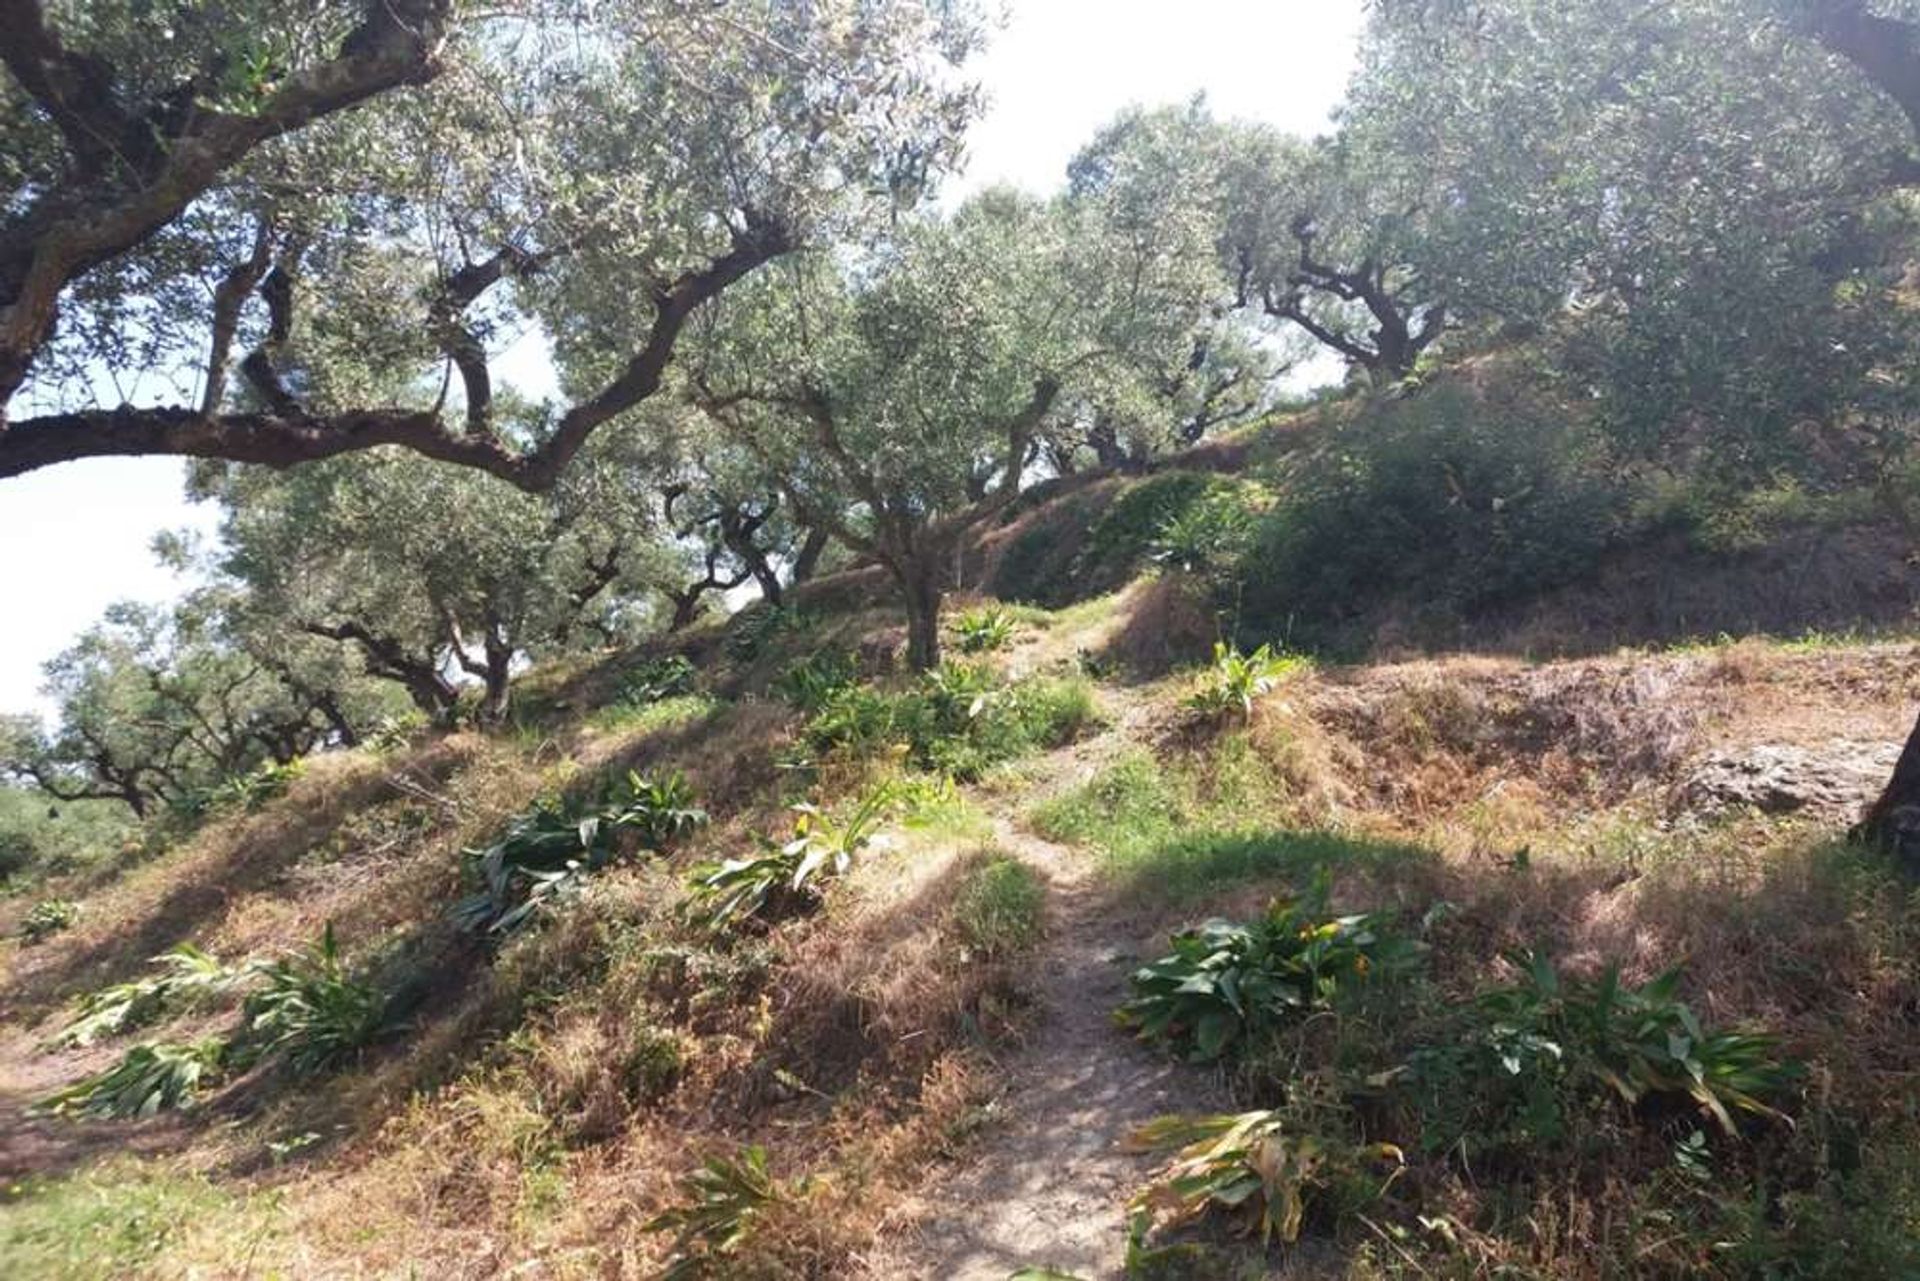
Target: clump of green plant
723, 1198
980, 631
1254, 1164
1224, 982
188, 976
1528, 1050
147, 1079
999, 907
252, 790
48, 917
661, 810
546, 852
391, 733
655, 681
973, 722
752, 629
959, 719
541, 857
1236, 681
1208, 537
814, 681
310, 1010
786, 879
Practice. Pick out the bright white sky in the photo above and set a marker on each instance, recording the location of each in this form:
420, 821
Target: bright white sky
75, 537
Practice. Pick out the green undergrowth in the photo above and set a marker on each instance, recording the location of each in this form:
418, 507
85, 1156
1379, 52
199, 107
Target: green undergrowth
116, 1220
1182, 829
958, 720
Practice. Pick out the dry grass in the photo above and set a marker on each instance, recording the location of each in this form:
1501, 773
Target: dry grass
544, 1099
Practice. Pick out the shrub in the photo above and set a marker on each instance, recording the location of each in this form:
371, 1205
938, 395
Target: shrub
1208, 537
1198, 514
1236, 681
1223, 982
750, 631
723, 1197
311, 1011
1527, 1050
1251, 1163
146, 1080
656, 680
812, 682
250, 791
982, 630
187, 977
1444, 501
999, 906
786, 879
662, 811
48, 917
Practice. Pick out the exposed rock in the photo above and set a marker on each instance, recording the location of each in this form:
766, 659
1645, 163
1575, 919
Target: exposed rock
1832, 780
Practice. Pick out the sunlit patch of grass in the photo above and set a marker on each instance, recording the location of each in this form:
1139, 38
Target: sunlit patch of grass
1181, 832
118, 1220
668, 713
1194, 864
999, 907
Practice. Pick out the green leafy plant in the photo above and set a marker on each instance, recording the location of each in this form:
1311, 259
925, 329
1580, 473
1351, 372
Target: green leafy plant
542, 856
979, 631
656, 680
187, 976
751, 629
1236, 681
786, 879
1224, 982
1207, 537
250, 791
1521, 1053
661, 810
814, 681
147, 1079
312, 1011
722, 1199
1251, 1163
545, 853
48, 917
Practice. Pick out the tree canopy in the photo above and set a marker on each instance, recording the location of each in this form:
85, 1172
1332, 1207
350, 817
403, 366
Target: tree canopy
376, 193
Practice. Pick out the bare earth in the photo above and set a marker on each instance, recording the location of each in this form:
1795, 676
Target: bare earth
1048, 1189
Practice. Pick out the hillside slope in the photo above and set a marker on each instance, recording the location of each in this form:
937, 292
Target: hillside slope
929, 1058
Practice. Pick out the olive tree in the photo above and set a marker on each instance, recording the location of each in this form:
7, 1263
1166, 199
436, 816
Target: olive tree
437, 575
899, 399
195, 198
159, 706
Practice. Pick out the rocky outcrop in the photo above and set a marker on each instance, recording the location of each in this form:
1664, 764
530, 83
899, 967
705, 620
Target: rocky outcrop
1834, 780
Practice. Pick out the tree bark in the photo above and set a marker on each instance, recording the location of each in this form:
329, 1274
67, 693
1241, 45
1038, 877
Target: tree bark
922, 590
808, 559
1892, 823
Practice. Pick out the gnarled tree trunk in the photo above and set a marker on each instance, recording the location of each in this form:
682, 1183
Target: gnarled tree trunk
923, 588
1892, 823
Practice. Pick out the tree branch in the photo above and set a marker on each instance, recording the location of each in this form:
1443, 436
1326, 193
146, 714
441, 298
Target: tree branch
287, 435
228, 298
173, 151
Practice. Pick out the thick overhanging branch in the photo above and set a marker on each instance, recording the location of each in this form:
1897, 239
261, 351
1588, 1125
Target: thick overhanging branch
1886, 50
286, 435
135, 173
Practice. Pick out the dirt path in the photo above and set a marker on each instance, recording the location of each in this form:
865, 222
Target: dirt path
1048, 1187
